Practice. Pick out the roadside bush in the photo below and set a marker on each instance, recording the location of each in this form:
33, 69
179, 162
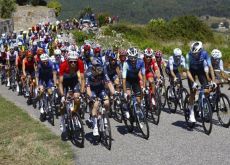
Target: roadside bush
56, 5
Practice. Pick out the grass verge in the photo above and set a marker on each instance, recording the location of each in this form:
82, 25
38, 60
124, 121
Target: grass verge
25, 141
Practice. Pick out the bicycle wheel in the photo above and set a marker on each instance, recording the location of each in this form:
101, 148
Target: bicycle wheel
183, 93
141, 121
77, 131
156, 109
50, 112
105, 131
206, 116
117, 114
128, 121
187, 112
223, 108
162, 94
171, 99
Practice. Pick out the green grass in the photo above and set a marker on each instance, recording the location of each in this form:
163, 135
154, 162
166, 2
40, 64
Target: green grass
26, 141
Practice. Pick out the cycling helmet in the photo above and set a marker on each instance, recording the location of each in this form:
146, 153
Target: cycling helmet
40, 51
44, 57
97, 66
148, 52
57, 52
35, 43
19, 43
132, 52
123, 53
158, 54
196, 47
177, 52
87, 47
72, 56
97, 50
29, 54
113, 56
21, 53
216, 54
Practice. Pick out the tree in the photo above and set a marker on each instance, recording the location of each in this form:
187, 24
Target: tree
56, 5
35, 2
7, 7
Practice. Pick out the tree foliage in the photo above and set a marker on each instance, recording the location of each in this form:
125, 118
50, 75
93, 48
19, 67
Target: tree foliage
56, 5
7, 7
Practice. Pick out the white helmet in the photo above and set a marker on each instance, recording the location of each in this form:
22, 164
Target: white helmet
177, 52
132, 52
216, 54
35, 43
57, 52
148, 52
196, 47
19, 43
72, 56
57, 22
44, 57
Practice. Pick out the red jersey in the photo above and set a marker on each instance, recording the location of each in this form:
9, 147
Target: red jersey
29, 65
151, 66
19, 62
65, 70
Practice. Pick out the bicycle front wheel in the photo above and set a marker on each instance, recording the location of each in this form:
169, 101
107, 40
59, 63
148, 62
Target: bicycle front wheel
223, 108
106, 135
141, 121
206, 116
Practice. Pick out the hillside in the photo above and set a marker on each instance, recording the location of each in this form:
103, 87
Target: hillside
141, 11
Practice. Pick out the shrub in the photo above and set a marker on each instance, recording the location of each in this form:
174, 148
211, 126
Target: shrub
7, 7
56, 5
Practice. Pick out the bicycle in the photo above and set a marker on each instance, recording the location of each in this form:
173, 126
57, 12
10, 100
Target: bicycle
152, 104
73, 122
161, 90
137, 115
13, 78
220, 104
175, 95
202, 109
104, 128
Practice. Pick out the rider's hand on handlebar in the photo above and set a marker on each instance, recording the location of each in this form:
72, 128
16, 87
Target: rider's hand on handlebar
195, 85
213, 84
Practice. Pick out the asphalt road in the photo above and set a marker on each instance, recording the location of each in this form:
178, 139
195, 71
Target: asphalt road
170, 143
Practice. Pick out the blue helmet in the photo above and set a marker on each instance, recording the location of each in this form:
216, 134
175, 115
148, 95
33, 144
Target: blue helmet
113, 56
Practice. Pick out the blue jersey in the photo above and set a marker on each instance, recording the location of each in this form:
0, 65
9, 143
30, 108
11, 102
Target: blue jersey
197, 63
45, 72
112, 70
131, 72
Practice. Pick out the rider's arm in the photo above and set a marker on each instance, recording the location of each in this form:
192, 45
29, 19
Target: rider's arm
24, 67
61, 86
171, 61
187, 66
143, 74
211, 69
124, 72
82, 77
55, 77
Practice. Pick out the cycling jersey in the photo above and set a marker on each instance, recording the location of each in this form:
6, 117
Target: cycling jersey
131, 72
19, 63
150, 68
12, 57
45, 73
112, 70
219, 65
65, 69
172, 65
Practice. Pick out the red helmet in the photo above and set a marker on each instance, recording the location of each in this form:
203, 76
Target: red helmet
158, 54
40, 51
148, 52
29, 54
86, 47
97, 50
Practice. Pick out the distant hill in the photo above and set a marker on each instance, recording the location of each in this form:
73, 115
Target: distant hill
141, 11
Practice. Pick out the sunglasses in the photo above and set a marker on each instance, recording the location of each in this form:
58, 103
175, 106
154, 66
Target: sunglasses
148, 57
45, 62
132, 58
72, 62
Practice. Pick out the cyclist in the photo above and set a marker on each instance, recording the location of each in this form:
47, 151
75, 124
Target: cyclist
58, 59
28, 69
96, 77
133, 71
151, 68
160, 61
19, 60
45, 77
69, 79
87, 54
113, 70
196, 60
173, 66
122, 57
218, 65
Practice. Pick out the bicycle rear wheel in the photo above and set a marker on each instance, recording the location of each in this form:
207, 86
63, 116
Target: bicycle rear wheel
183, 93
141, 121
128, 121
223, 108
162, 94
77, 131
156, 109
171, 99
187, 112
116, 106
206, 116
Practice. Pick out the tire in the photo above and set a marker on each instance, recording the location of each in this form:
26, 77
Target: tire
171, 103
156, 109
117, 114
223, 113
128, 122
187, 112
183, 94
77, 131
206, 116
141, 121
106, 135
162, 94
